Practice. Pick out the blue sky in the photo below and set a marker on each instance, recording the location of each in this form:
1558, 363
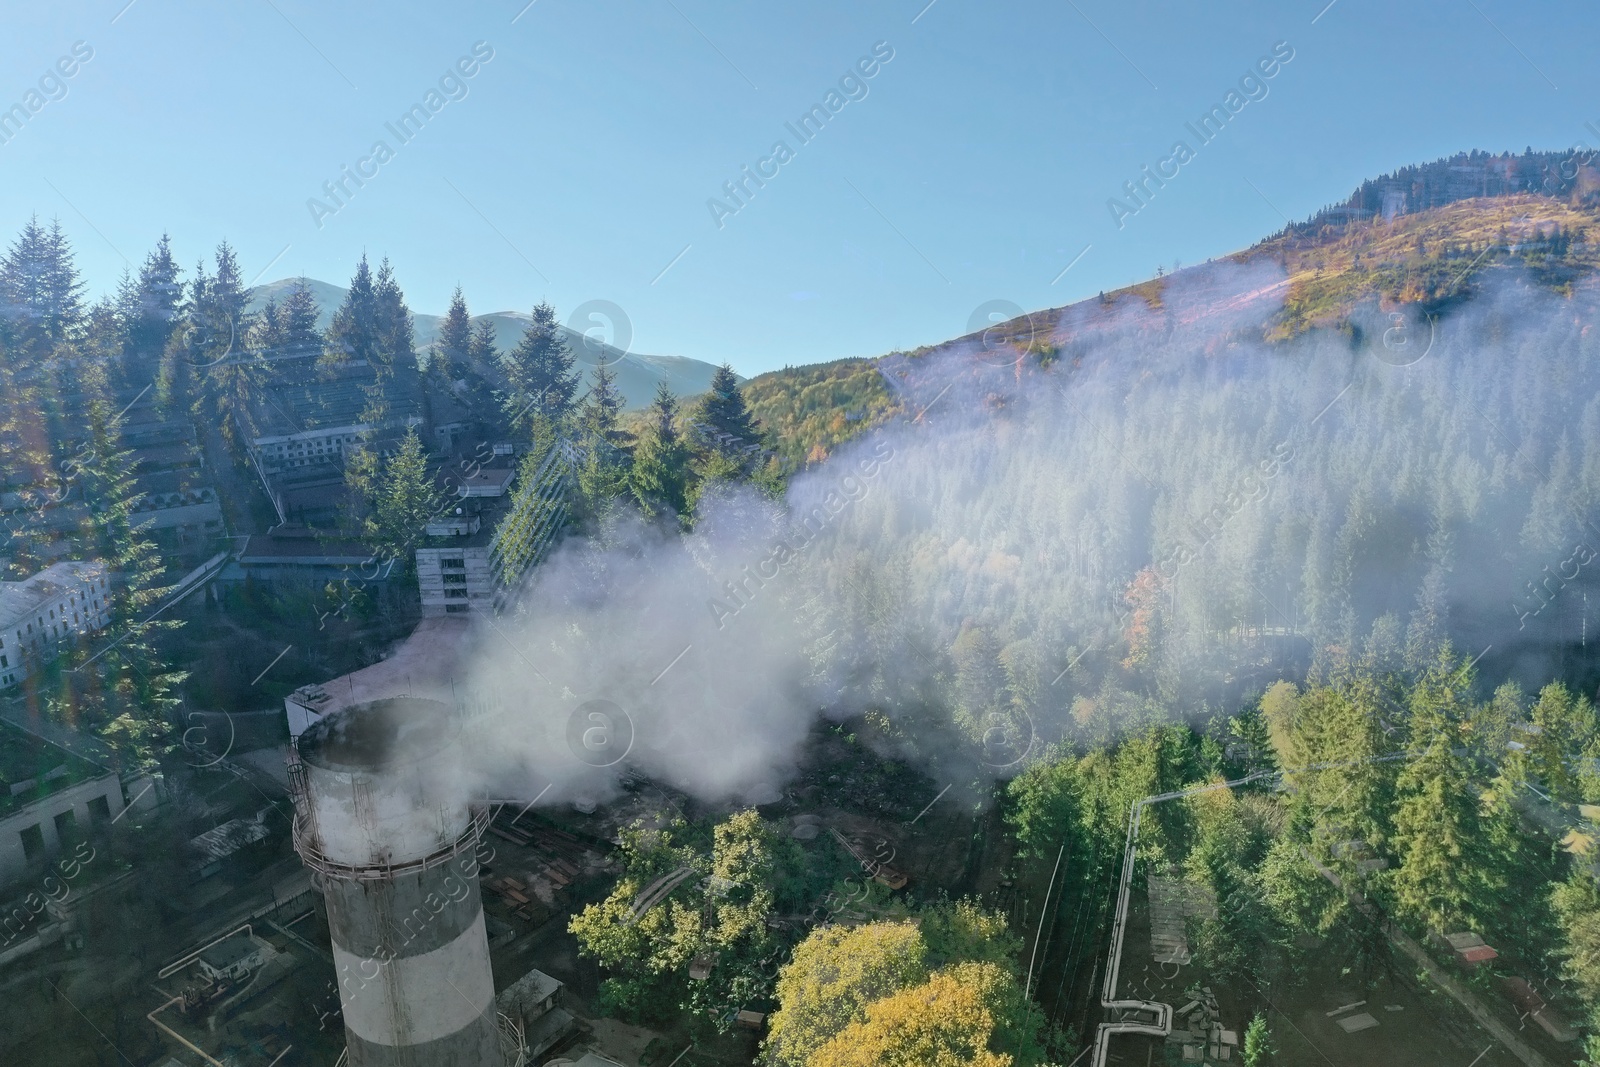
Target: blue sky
580, 161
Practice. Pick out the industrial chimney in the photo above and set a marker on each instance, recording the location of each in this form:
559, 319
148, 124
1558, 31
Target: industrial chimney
393, 848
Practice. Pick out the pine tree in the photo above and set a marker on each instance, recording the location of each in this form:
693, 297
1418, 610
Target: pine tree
660, 473
131, 694
540, 378
1344, 726
406, 500
453, 349
723, 420
41, 295
266, 334
482, 352
599, 413
396, 342
297, 333
355, 334
1437, 832
41, 318
219, 329
604, 472
483, 358
150, 309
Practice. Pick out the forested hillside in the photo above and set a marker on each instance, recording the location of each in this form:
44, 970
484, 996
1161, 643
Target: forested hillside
811, 410
1412, 243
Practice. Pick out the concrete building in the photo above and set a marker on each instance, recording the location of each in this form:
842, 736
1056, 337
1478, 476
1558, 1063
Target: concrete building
299, 552
479, 551
54, 607
454, 568
454, 572
287, 451
533, 1003
191, 511
395, 845
310, 418
48, 798
233, 957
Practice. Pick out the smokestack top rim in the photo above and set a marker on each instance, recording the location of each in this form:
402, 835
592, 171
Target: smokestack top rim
379, 735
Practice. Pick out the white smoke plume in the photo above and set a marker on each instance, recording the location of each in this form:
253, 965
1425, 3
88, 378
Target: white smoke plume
1167, 510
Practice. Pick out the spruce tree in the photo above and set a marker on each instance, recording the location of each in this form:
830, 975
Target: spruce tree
723, 418
660, 473
41, 319
266, 333
541, 382
452, 350
482, 352
483, 358
175, 382
1437, 833
355, 333
151, 312
604, 472
129, 692
218, 335
396, 343
399, 379
601, 409
41, 295
297, 333
406, 500
1344, 725
726, 435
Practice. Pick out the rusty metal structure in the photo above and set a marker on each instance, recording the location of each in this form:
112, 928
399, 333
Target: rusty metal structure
392, 842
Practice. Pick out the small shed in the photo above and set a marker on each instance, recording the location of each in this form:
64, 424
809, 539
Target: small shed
1469, 949
234, 957
533, 1002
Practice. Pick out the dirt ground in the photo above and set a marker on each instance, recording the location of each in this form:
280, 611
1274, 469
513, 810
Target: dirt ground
1417, 1025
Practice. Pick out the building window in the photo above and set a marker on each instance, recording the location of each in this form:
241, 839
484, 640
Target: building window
455, 607
449, 579
32, 842
455, 594
66, 826
458, 563
99, 810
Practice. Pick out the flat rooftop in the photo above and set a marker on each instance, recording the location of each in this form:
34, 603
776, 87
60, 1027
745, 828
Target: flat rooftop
32, 768
225, 954
18, 600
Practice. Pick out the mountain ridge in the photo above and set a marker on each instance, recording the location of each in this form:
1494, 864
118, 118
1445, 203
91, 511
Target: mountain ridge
1414, 242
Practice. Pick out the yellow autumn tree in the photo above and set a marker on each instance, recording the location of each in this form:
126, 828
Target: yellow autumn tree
951, 1020
834, 975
